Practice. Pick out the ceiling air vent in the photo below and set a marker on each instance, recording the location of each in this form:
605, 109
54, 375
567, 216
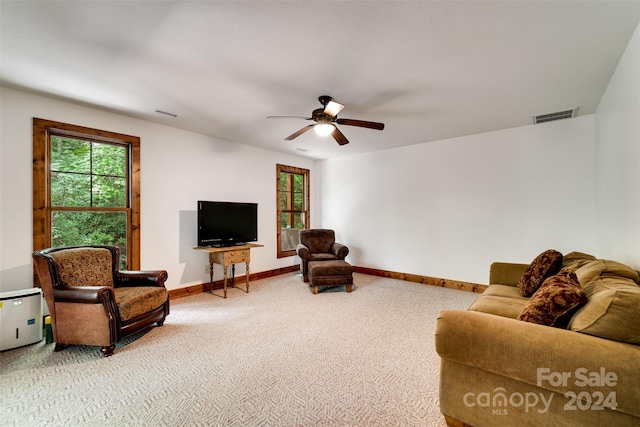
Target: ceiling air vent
558, 115
166, 113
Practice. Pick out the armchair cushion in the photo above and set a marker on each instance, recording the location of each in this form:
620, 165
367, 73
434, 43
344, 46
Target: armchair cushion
317, 240
84, 267
133, 302
322, 257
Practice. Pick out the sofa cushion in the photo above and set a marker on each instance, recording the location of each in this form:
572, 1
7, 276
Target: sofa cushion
605, 268
504, 291
613, 310
544, 265
137, 300
555, 301
499, 305
575, 260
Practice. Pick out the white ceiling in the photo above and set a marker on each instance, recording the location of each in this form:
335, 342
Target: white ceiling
429, 70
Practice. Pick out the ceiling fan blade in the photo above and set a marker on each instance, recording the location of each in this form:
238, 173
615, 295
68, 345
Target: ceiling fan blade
339, 137
289, 117
333, 108
361, 123
298, 133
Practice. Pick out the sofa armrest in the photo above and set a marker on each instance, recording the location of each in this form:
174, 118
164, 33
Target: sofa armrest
339, 250
531, 353
506, 273
128, 278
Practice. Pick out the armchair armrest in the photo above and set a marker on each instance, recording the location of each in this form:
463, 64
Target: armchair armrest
303, 251
339, 250
83, 294
129, 278
506, 273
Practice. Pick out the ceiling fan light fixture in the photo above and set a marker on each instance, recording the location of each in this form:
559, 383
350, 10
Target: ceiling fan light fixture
324, 129
333, 108
325, 118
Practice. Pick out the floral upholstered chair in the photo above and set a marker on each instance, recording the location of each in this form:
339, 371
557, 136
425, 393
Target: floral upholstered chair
91, 302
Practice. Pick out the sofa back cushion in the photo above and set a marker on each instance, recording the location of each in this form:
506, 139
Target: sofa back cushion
575, 260
605, 268
84, 267
613, 310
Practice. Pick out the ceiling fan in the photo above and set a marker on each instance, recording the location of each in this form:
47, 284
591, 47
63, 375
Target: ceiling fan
326, 118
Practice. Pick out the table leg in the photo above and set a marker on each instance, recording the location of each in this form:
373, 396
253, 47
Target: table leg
224, 282
247, 277
211, 276
233, 275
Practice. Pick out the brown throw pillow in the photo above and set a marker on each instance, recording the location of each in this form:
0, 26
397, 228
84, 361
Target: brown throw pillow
545, 265
556, 301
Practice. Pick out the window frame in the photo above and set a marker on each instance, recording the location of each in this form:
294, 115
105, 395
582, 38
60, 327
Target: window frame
42, 209
290, 170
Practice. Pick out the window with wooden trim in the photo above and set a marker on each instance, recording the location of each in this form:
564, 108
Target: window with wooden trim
86, 189
293, 207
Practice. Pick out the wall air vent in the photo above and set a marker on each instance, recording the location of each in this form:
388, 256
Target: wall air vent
558, 115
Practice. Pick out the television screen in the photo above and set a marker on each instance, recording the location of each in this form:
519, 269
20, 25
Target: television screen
227, 223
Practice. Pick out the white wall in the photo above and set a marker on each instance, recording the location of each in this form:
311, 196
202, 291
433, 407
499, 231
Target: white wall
177, 169
618, 154
449, 208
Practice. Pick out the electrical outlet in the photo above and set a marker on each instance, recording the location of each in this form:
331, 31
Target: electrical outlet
207, 269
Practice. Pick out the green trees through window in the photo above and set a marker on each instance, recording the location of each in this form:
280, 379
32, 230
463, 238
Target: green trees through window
90, 175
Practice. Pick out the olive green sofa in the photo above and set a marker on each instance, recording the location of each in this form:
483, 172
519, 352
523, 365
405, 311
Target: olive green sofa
497, 370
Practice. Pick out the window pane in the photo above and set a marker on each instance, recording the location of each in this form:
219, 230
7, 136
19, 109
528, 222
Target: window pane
298, 202
289, 238
109, 192
71, 228
70, 189
298, 183
283, 201
70, 155
284, 220
85, 228
109, 159
284, 181
298, 220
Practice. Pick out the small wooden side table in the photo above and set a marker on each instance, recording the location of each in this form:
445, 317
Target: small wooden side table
226, 256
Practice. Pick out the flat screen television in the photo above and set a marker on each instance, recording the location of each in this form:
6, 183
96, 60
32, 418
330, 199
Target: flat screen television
227, 223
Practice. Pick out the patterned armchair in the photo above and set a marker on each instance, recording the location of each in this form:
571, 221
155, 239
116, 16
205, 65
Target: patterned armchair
318, 245
91, 302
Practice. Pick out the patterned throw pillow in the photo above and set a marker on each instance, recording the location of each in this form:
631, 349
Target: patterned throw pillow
545, 265
556, 301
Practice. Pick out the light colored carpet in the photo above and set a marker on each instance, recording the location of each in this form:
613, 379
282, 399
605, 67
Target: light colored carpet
278, 356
